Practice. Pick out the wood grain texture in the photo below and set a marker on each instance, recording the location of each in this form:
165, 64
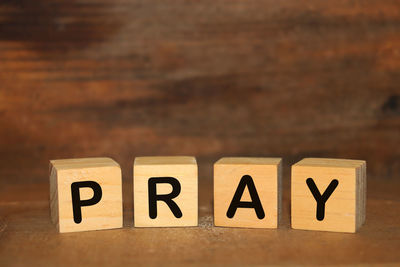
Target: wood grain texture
266, 175
27, 236
127, 78
182, 168
124, 78
344, 210
106, 214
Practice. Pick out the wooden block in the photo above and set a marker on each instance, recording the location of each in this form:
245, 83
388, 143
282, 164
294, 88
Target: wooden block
247, 192
85, 194
165, 191
338, 184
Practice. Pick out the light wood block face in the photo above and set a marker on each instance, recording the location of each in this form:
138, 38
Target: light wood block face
238, 177
165, 192
77, 181
339, 183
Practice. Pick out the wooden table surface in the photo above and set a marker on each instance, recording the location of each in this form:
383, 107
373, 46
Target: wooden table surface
28, 237
213, 78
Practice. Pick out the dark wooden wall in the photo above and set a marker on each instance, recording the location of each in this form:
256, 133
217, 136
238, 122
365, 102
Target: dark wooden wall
207, 78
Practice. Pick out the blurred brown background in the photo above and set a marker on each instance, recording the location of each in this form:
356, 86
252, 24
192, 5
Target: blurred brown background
122, 78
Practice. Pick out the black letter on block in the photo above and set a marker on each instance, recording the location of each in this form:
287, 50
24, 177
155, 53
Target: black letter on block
77, 203
255, 202
321, 200
167, 198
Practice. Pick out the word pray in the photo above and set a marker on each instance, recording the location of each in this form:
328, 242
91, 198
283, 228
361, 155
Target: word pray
327, 194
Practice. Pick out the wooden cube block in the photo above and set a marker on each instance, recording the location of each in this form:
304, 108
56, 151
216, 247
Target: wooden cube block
247, 192
85, 194
328, 194
165, 191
